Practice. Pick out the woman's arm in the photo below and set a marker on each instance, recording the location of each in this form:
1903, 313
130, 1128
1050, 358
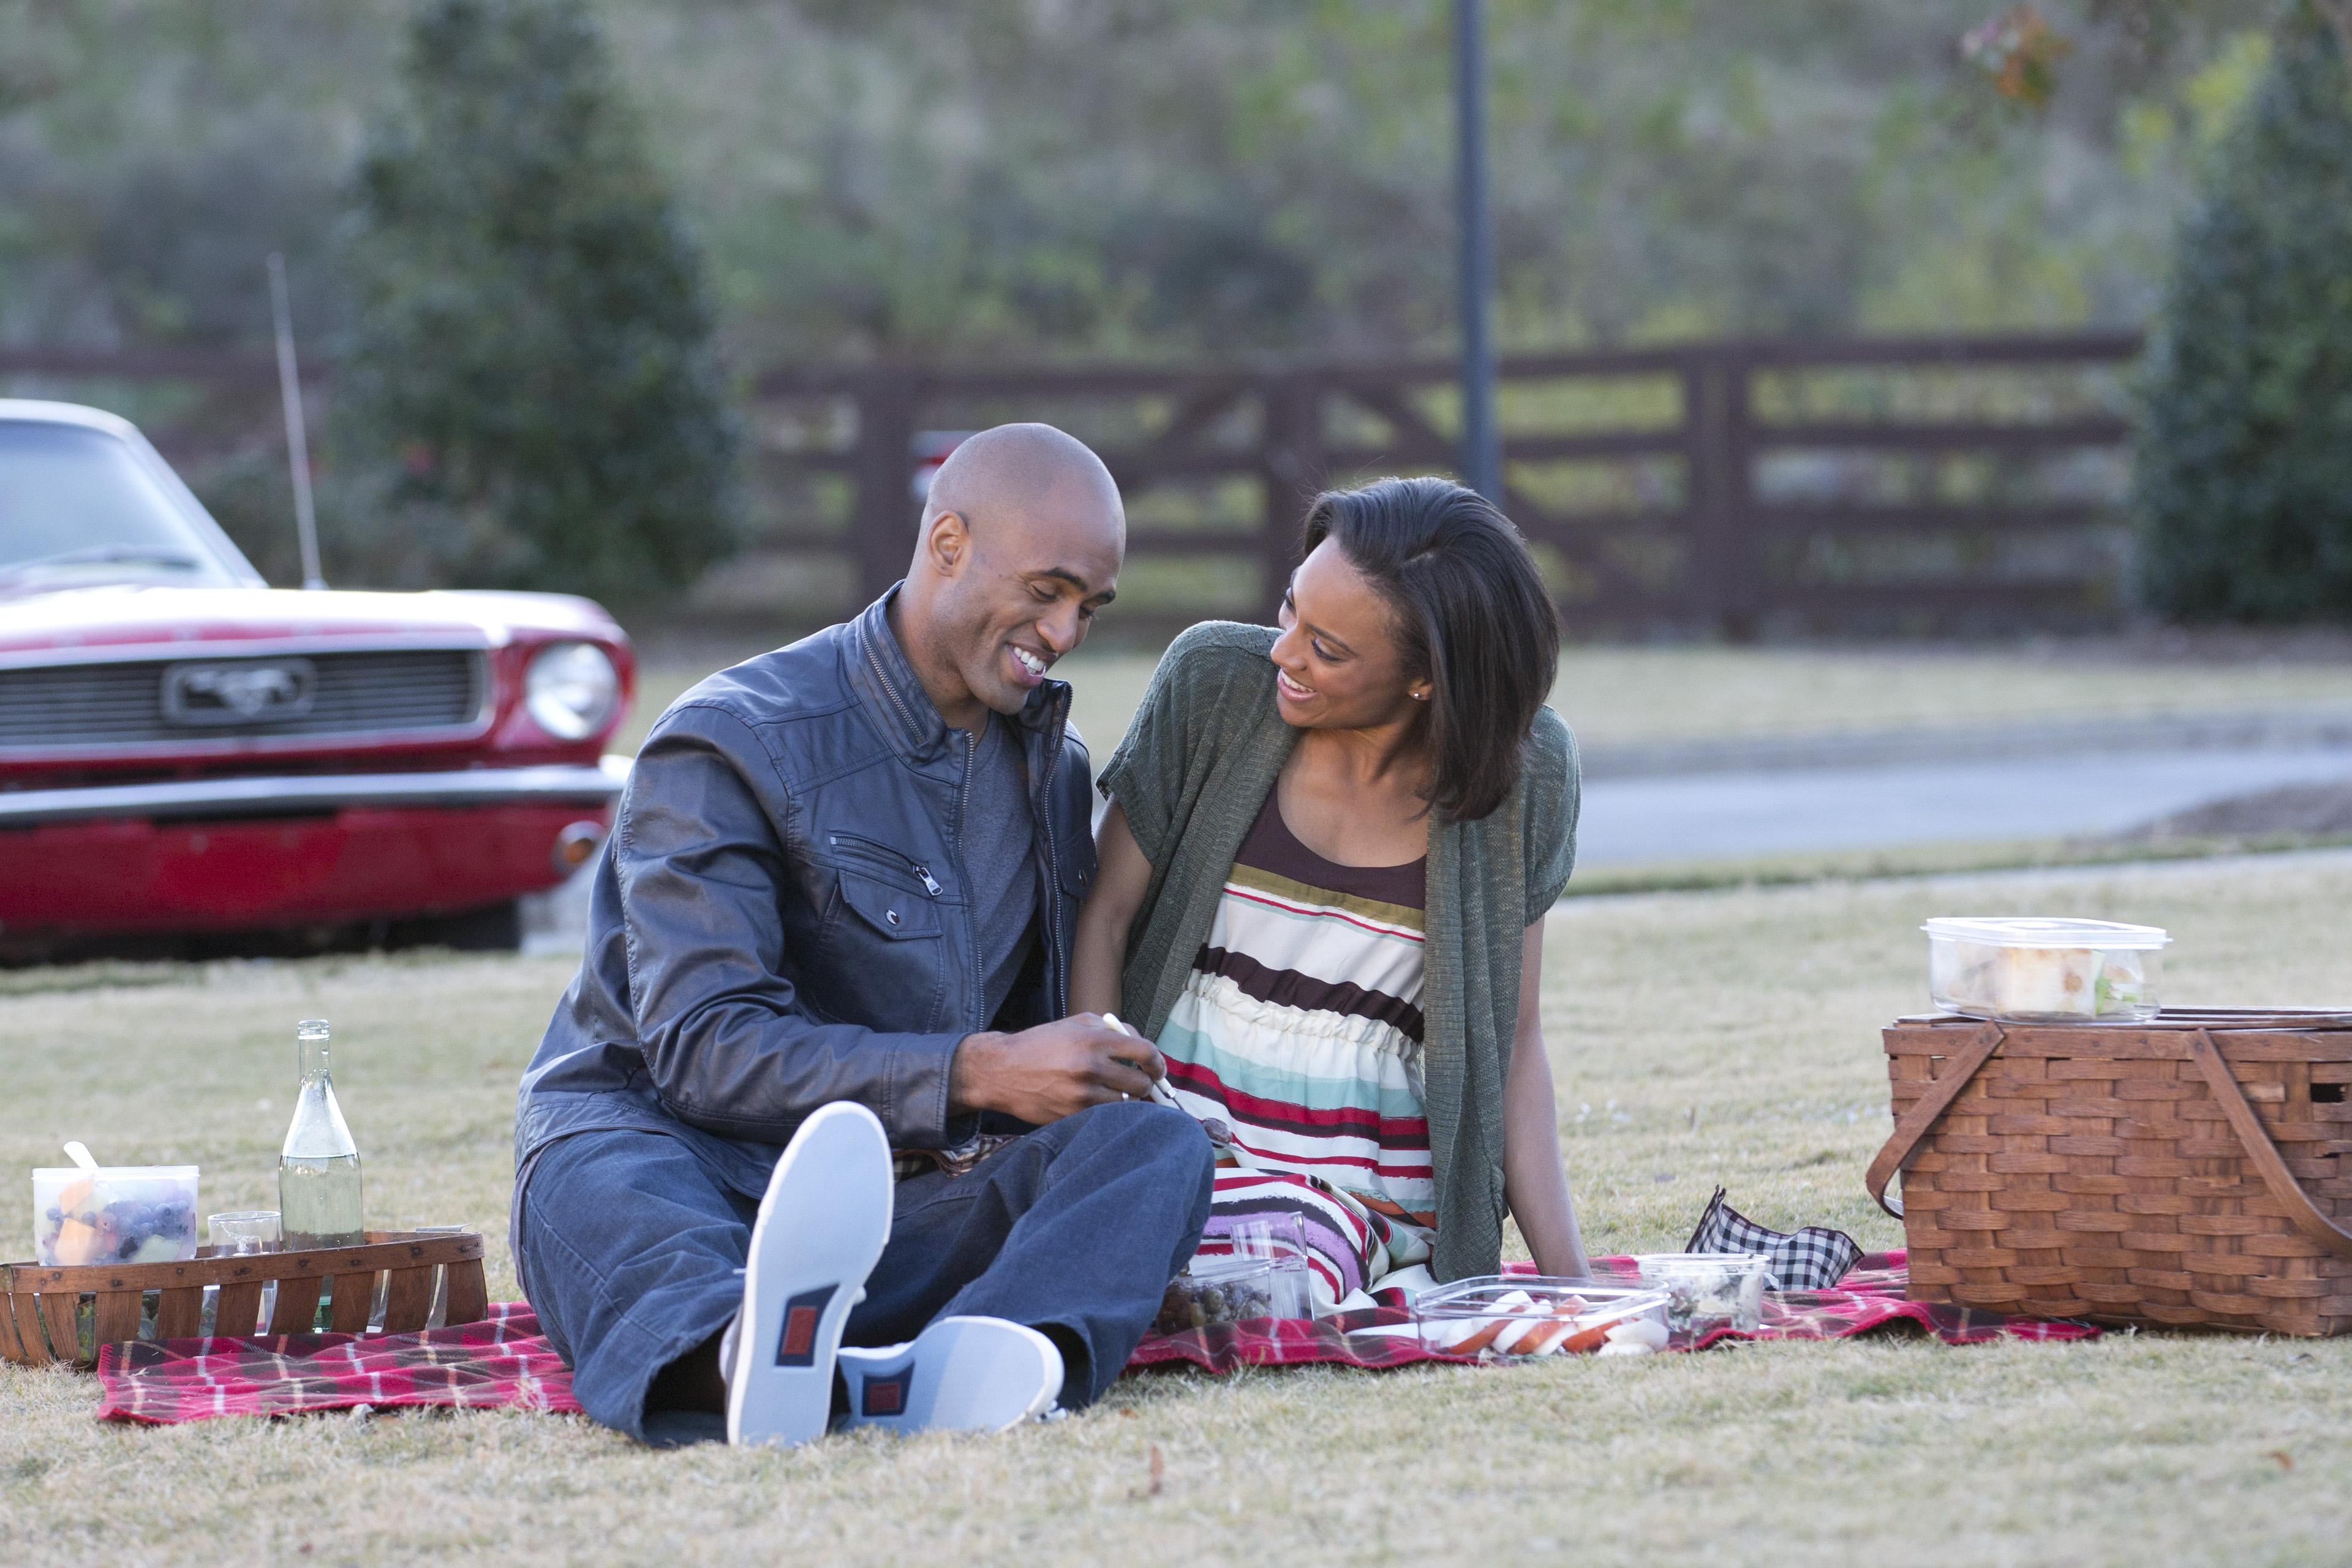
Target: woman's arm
1535, 1183
1121, 878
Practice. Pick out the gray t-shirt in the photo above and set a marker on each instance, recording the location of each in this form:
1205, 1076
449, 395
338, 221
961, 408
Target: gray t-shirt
1000, 856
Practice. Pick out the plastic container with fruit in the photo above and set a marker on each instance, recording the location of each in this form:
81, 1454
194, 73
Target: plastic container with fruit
114, 1214
1253, 1268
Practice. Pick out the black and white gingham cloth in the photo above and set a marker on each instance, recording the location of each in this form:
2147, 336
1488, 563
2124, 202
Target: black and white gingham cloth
1814, 1259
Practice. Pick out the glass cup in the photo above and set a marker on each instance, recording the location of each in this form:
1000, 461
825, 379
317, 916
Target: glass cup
438, 1317
235, 1234
243, 1231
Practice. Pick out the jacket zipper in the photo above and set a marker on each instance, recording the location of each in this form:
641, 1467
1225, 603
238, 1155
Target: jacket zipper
872, 851
1058, 982
963, 817
1060, 985
883, 676
971, 937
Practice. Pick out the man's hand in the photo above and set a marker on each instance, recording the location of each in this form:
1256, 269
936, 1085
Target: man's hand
1043, 1074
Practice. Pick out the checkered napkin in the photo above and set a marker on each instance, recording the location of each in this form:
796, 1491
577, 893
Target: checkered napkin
1814, 1259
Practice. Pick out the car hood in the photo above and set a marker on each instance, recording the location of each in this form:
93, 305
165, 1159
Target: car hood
121, 616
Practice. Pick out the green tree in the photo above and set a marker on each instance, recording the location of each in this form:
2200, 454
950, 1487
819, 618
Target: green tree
2244, 486
531, 388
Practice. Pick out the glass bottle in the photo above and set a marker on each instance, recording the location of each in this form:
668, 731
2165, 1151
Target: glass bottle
319, 1169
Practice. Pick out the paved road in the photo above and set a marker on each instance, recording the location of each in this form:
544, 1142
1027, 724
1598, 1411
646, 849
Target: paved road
1773, 811
1741, 813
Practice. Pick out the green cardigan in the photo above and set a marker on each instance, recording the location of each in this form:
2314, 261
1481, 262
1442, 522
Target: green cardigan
1192, 774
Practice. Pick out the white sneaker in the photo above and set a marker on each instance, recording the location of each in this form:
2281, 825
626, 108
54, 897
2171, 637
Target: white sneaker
960, 1374
820, 1229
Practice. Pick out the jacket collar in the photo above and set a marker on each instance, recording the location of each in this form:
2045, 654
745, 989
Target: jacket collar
879, 673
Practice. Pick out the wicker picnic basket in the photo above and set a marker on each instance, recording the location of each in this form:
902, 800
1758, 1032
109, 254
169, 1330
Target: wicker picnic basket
41, 1306
2188, 1170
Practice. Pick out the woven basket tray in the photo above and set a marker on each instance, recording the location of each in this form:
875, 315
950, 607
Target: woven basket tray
40, 1305
2189, 1170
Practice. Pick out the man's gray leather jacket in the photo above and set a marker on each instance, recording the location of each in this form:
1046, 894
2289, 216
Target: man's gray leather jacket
781, 917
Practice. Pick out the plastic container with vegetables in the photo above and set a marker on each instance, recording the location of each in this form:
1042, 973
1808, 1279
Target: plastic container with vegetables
1528, 1315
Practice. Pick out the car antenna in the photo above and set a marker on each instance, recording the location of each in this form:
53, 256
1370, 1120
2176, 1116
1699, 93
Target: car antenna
297, 446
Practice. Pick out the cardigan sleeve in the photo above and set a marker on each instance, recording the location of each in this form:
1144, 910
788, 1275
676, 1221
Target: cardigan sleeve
1176, 728
1554, 793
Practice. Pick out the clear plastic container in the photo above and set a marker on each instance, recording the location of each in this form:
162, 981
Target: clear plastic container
1529, 1315
240, 1231
2017, 969
1709, 1289
1261, 1273
116, 1214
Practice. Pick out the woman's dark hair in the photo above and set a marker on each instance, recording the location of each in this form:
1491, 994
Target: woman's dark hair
1471, 616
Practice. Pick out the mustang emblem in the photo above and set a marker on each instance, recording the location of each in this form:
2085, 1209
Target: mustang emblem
247, 691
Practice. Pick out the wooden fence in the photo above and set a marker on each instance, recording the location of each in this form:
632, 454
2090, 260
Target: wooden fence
1890, 485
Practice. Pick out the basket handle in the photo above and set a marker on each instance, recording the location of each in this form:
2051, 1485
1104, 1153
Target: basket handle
2301, 1212
1917, 1121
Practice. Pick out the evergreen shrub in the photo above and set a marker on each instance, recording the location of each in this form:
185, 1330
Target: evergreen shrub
530, 394
2243, 473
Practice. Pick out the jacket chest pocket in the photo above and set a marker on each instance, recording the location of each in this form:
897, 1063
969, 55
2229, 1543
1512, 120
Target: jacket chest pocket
892, 913
884, 960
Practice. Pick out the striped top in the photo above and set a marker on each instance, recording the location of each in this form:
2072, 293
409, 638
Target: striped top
1301, 1027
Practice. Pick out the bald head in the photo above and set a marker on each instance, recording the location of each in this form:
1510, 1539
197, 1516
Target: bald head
1016, 470
1022, 540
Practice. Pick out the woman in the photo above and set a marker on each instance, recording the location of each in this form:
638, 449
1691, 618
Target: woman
1325, 867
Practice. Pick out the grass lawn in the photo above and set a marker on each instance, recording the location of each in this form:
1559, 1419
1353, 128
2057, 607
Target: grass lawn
1724, 1035
1621, 696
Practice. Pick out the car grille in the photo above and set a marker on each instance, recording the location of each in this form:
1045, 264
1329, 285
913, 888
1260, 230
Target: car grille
57, 707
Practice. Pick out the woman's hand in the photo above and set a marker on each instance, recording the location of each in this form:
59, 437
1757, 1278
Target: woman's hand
1121, 878
1535, 1183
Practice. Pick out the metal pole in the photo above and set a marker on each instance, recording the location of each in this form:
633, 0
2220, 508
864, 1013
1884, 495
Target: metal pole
1482, 447
297, 446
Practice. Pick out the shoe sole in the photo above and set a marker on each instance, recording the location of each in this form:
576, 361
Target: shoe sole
960, 1374
821, 1226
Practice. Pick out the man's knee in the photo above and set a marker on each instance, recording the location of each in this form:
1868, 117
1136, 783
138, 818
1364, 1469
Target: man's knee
604, 1209
1156, 1140
1148, 1132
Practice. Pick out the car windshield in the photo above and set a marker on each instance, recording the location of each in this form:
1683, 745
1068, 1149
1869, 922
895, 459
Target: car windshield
79, 505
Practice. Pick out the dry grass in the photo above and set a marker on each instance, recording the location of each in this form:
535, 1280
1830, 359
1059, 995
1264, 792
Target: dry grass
1725, 1036
1934, 859
1618, 696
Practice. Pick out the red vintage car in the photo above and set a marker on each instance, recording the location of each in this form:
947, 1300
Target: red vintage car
188, 754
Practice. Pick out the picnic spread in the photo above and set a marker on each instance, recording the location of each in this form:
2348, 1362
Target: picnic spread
2070, 1153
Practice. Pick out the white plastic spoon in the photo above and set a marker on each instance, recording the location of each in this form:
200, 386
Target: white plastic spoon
1221, 1134
78, 1152
1159, 1086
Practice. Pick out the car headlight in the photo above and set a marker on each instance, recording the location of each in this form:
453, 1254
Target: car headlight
570, 689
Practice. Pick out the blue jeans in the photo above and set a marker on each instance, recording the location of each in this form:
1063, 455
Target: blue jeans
630, 1247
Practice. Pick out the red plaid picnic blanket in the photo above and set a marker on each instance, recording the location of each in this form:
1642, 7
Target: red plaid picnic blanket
505, 1361
499, 1362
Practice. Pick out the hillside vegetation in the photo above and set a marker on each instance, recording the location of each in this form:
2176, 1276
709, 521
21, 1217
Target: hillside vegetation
1132, 176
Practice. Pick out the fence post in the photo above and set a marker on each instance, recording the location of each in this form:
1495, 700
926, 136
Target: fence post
1291, 471
882, 523
1727, 558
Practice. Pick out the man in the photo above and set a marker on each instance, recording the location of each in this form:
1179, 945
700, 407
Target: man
837, 913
